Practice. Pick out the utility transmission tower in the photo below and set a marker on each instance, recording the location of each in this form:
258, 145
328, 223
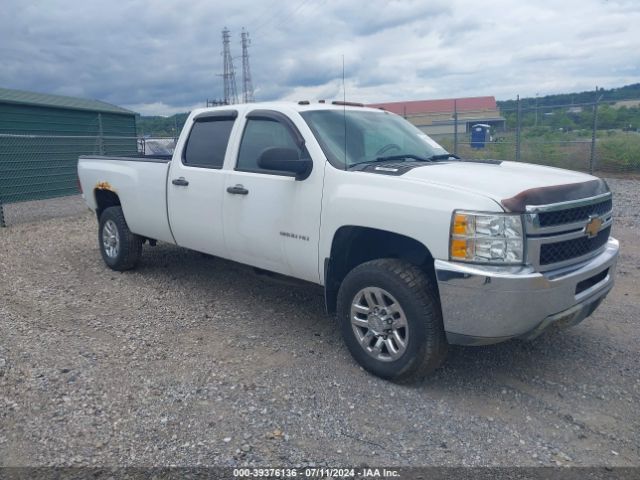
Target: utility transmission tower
229, 75
247, 84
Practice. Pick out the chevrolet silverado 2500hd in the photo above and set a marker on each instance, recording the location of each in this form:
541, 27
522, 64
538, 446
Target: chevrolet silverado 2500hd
416, 249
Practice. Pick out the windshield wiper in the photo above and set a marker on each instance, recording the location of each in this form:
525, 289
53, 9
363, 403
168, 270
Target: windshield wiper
404, 157
407, 156
443, 156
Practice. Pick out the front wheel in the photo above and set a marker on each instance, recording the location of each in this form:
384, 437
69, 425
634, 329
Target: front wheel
120, 248
391, 320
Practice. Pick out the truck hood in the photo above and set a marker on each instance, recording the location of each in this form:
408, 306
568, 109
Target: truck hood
511, 184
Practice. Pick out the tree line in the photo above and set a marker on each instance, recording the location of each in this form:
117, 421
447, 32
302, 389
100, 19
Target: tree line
548, 111
576, 118
156, 126
628, 92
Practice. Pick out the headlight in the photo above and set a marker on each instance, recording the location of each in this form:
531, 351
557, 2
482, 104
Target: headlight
486, 238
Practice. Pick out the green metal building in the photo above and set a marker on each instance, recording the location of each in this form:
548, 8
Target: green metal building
41, 137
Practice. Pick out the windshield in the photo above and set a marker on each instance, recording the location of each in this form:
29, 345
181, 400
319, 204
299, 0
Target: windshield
369, 136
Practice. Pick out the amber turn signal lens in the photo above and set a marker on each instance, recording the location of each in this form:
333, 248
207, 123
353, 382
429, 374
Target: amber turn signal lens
458, 248
460, 224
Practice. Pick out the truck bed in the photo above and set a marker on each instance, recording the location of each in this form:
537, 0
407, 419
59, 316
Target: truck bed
141, 185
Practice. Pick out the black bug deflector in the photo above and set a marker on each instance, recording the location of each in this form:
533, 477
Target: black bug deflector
555, 194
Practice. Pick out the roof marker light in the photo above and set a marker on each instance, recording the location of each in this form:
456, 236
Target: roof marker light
347, 104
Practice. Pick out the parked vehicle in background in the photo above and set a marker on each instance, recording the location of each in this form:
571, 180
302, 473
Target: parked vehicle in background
416, 249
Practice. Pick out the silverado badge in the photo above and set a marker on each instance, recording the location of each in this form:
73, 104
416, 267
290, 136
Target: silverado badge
593, 226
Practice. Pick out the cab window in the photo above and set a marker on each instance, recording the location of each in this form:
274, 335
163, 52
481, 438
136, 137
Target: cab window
207, 143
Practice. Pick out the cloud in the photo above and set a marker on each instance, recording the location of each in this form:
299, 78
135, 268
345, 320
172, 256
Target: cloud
164, 57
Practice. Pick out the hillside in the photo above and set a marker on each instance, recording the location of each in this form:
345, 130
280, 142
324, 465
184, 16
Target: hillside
161, 126
168, 126
628, 92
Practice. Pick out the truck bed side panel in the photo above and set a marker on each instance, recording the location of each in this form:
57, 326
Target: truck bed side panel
141, 187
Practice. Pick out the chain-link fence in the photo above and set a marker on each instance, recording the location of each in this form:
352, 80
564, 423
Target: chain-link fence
156, 145
35, 167
600, 137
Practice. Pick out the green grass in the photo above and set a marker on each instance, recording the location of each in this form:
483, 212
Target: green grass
616, 151
619, 152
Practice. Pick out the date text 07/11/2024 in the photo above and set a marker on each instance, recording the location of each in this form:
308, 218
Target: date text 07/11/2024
315, 472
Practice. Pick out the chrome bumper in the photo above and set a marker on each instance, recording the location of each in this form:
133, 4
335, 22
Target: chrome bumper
484, 304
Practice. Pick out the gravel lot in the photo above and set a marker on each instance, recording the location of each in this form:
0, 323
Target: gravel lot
27, 212
194, 360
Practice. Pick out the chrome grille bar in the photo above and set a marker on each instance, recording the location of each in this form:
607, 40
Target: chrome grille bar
537, 235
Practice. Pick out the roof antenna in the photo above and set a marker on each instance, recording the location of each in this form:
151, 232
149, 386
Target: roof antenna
344, 113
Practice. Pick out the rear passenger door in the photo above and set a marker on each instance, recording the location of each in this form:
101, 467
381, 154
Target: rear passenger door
195, 186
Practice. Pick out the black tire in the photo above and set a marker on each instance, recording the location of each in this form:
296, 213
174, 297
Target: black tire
129, 244
426, 347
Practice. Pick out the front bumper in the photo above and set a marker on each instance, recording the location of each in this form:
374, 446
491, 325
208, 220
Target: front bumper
485, 304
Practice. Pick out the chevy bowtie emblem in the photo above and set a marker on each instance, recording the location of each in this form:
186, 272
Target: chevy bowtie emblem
593, 227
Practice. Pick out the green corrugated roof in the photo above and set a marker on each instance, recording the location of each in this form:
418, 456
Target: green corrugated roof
46, 100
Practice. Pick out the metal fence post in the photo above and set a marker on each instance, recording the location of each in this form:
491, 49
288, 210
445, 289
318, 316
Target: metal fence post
2, 222
592, 161
455, 127
100, 135
518, 128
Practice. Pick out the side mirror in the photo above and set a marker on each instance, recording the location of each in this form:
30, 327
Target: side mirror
285, 160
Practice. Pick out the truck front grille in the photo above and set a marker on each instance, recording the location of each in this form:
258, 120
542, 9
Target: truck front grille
575, 248
575, 214
563, 234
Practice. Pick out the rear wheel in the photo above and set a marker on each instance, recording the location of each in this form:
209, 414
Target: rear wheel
391, 321
120, 248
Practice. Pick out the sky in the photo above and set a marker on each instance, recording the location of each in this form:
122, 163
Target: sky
159, 57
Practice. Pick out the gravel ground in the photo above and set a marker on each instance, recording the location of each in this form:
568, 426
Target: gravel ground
37, 210
194, 360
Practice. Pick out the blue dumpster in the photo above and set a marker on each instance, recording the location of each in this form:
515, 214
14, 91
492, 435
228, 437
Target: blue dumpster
479, 135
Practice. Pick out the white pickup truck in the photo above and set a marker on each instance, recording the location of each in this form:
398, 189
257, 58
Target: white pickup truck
416, 249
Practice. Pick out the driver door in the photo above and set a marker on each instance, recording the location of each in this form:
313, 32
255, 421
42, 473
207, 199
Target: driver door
272, 220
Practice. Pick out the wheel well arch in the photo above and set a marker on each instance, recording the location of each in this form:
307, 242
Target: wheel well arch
105, 198
354, 245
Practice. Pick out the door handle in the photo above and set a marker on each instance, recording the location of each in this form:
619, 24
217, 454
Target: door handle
238, 190
180, 182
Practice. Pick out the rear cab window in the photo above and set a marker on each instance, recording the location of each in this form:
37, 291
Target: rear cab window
208, 140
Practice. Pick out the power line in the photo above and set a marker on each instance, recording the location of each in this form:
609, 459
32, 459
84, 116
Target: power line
260, 20
278, 16
280, 19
